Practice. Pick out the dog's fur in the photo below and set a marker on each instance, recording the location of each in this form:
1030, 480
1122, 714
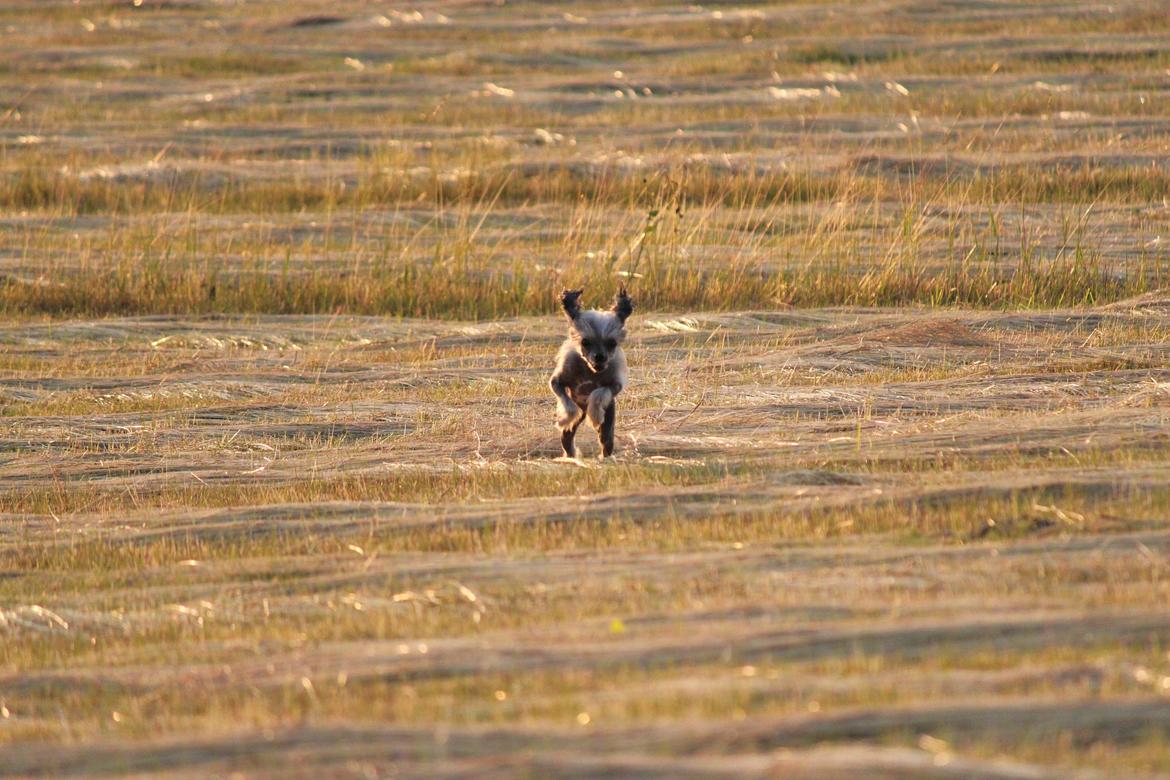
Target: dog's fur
591, 369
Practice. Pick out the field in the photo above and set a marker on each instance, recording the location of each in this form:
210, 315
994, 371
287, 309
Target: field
279, 486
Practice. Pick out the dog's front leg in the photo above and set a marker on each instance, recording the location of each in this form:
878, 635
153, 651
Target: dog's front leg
605, 433
569, 415
567, 438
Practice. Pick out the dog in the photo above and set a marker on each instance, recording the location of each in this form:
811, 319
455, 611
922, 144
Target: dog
591, 369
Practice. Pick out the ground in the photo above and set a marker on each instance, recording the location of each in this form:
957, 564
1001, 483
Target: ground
279, 485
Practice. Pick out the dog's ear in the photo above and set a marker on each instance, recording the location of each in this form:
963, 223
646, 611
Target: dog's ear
570, 302
623, 307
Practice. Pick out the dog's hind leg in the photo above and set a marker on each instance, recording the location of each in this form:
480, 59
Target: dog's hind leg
567, 435
605, 433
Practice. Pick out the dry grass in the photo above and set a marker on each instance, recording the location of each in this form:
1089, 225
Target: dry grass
278, 487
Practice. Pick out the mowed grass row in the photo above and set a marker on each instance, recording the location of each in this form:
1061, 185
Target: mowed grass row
772, 168
437, 40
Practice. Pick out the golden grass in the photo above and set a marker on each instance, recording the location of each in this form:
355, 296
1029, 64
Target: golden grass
278, 487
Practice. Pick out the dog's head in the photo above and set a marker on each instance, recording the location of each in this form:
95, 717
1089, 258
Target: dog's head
597, 334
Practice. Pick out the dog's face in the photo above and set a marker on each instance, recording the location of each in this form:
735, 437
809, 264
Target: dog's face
597, 335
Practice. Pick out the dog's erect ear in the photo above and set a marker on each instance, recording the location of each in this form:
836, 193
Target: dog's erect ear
570, 302
623, 307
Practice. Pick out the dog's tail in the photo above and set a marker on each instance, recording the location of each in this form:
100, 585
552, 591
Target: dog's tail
599, 399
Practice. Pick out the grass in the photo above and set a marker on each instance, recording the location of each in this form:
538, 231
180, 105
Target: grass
278, 480
447, 270
454, 289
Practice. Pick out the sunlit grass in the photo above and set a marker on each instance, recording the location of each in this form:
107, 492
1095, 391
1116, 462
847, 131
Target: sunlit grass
277, 461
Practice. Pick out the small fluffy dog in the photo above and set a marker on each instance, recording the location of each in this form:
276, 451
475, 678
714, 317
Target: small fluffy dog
591, 369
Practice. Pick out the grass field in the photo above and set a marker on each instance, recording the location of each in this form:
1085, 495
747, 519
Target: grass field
279, 494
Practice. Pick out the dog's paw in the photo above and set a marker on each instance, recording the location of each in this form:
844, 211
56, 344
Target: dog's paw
567, 415
599, 399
